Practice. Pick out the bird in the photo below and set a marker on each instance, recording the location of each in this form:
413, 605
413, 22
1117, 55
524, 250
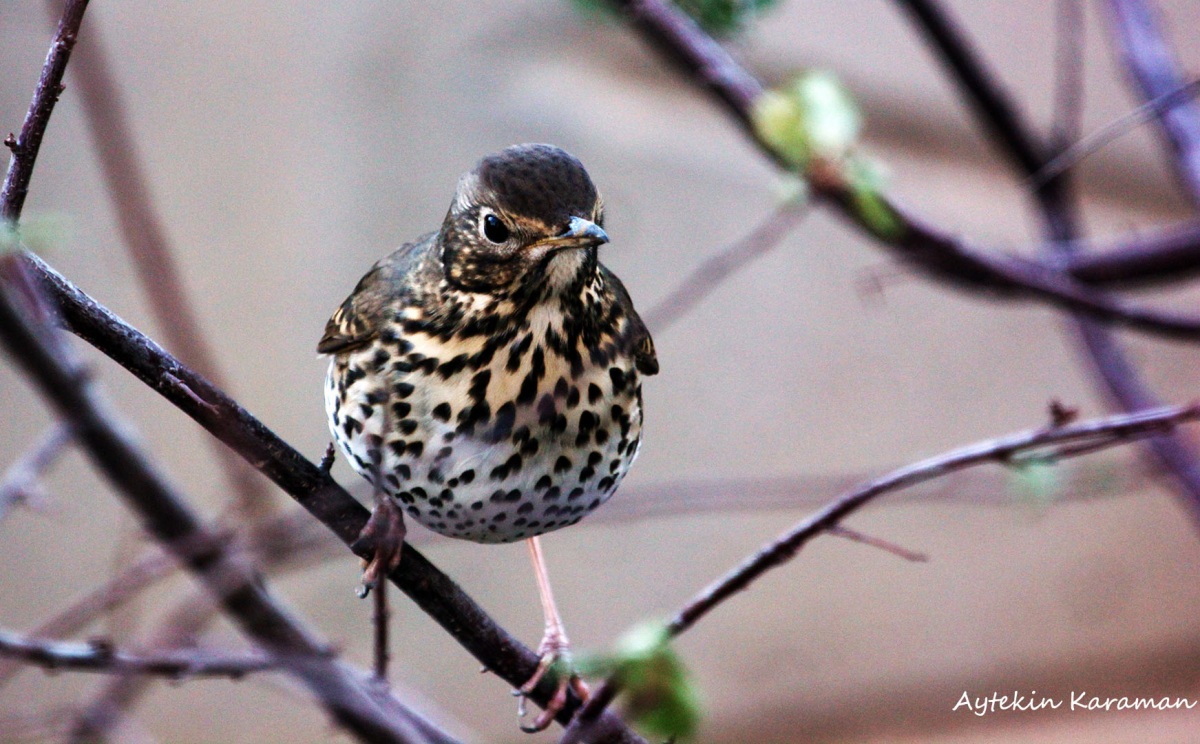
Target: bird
487, 378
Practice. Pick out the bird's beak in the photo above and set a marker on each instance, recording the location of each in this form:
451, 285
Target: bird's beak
580, 233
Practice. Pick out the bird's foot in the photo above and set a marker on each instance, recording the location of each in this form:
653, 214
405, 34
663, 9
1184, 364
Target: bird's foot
555, 659
383, 536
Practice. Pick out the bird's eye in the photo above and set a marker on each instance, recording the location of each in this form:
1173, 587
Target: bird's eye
494, 230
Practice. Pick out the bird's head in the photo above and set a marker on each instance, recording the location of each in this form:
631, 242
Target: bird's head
528, 215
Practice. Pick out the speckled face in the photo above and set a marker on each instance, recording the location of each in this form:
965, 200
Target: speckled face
504, 212
488, 376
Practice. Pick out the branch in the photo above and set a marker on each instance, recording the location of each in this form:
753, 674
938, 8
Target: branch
164, 514
45, 95
1152, 66
1059, 215
717, 268
1045, 445
313, 489
914, 240
21, 481
1170, 254
101, 656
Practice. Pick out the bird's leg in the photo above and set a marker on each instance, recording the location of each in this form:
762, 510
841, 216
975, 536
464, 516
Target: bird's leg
383, 535
555, 650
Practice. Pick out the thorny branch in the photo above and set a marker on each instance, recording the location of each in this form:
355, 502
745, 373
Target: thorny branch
1037, 446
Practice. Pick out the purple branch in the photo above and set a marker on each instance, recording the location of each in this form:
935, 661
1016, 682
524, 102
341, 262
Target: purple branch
1152, 66
25, 147
101, 656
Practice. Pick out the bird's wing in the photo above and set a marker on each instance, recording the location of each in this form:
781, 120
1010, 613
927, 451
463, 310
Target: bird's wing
357, 322
640, 341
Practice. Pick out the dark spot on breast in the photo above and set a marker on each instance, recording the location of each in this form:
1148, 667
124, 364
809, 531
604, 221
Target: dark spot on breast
403, 389
529, 448
416, 448
543, 483
445, 452
466, 476
351, 426
594, 393
551, 494
528, 389
441, 411
560, 388
605, 483
546, 409
562, 464
407, 426
574, 494
452, 367
353, 375
401, 409
594, 459
573, 398
619, 378
506, 415
479, 384
513, 496
586, 473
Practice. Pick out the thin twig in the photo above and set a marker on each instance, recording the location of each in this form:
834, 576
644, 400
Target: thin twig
1152, 66
1051, 444
877, 542
1069, 49
709, 275
379, 619
101, 656
436, 594
21, 483
25, 147
1105, 135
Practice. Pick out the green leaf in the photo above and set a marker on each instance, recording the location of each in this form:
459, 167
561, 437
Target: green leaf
813, 116
1036, 482
866, 181
718, 17
658, 692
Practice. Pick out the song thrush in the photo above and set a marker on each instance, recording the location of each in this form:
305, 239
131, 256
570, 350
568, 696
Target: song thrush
487, 378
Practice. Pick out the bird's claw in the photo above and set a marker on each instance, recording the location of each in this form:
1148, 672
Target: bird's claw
383, 535
556, 657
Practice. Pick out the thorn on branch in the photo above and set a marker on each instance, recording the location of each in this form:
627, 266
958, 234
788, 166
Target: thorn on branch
1062, 414
11, 142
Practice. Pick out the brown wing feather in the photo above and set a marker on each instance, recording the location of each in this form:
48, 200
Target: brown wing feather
357, 322
644, 356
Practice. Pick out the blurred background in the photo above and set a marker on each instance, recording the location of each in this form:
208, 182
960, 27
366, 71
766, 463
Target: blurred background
291, 144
